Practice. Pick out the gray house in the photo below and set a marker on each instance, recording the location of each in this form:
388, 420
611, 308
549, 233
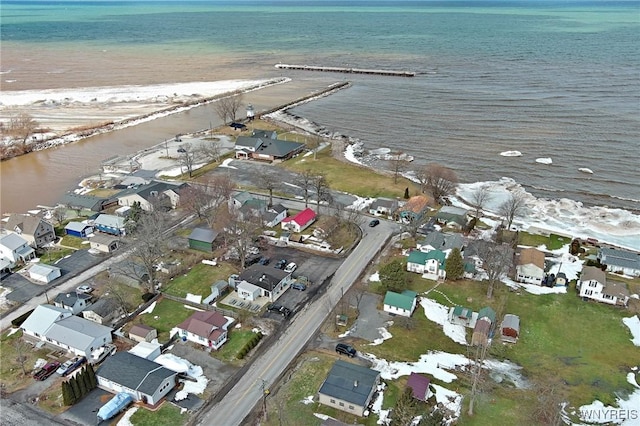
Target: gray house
73, 301
349, 387
383, 207
147, 381
623, 261
104, 311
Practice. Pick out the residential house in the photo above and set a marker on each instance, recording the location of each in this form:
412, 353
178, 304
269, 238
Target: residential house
593, 285
142, 333
104, 243
300, 221
484, 327
419, 385
44, 273
262, 281
85, 202
261, 147
349, 387
202, 239
37, 231
59, 327
440, 241
274, 215
78, 229
510, 328
530, 266
15, 249
217, 290
455, 217
104, 311
620, 261
461, 316
156, 193
208, 329
414, 209
255, 207
147, 381
400, 303
110, 224
431, 265
383, 207
239, 198
72, 301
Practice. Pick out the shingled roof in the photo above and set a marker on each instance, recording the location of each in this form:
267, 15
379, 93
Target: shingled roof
349, 382
134, 372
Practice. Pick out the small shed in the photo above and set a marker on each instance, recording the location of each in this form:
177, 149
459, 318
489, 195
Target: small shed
44, 273
142, 333
147, 350
481, 332
217, 290
78, 229
461, 315
104, 243
419, 386
561, 280
202, 239
510, 328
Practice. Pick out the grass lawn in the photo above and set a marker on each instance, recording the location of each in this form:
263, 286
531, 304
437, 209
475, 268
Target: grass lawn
11, 375
51, 255
168, 415
229, 351
73, 242
51, 399
165, 316
199, 279
351, 178
552, 242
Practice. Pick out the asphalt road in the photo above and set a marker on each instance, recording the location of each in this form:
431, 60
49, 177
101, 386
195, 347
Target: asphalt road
264, 371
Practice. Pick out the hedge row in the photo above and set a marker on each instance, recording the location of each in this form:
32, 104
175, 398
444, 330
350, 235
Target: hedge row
250, 345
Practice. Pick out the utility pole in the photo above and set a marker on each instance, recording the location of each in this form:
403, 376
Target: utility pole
166, 147
265, 392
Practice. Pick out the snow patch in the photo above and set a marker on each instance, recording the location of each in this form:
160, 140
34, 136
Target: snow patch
634, 326
149, 309
440, 315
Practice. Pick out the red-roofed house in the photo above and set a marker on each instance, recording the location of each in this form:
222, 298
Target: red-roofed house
419, 386
208, 329
299, 222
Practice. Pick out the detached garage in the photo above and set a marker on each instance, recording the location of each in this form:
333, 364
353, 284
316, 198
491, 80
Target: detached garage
78, 229
44, 273
510, 328
202, 239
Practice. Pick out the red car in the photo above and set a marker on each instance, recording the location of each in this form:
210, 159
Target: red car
46, 371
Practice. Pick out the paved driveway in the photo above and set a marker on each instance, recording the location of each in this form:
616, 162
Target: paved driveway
371, 318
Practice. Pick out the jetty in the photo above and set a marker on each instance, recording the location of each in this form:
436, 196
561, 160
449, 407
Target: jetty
391, 73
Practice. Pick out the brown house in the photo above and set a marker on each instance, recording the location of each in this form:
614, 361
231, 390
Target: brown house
37, 231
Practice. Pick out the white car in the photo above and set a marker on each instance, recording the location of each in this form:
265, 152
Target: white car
84, 289
290, 267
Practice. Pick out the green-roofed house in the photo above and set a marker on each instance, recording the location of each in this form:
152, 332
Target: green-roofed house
430, 265
400, 303
461, 315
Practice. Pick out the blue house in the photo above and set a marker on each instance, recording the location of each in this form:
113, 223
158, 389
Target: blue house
78, 229
110, 224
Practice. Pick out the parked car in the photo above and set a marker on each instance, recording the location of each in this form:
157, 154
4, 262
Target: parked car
299, 286
374, 222
274, 307
70, 365
343, 348
252, 260
253, 250
102, 352
182, 151
264, 260
84, 289
46, 371
290, 267
280, 264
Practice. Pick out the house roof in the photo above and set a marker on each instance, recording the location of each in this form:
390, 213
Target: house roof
264, 134
42, 269
384, 202
403, 301
437, 255
203, 234
103, 307
487, 312
43, 317
616, 289
265, 145
152, 189
76, 332
462, 312
110, 221
441, 241
350, 382
417, 256
26, 223
253, 205
85, 201
620, 258
303, 217
134, 372
416, 204
482, 327
419, 385
140, 330
264, 276
103, 239
13, 241
242, 197
511, 321
278, 208
76, 226
220, 285
70, 298
591, 273
205, 324
533, 256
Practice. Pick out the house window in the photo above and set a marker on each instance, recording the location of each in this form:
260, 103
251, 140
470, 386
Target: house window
592, 284
351, 407
341, 404
607, 296
333, 401
588, 292
201, 338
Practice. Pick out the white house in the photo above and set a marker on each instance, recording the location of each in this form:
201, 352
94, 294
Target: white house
400, 303
37, 231
349, 387
165, 193
72, 301
274, 215
263, 281
15, 249
300, 221
430, 265
530, 267
44, 273
104, 243
208, 329
593, 285
383, 207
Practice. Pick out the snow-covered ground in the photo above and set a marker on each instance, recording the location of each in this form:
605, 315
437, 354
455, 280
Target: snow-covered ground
634, 327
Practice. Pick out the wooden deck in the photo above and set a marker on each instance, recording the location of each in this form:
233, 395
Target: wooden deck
391, 73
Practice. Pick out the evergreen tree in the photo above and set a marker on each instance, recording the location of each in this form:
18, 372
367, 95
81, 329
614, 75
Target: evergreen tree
406, 193
84, 376
75, 388
454, 266
393, 276
81, 384
68, 398
92, 376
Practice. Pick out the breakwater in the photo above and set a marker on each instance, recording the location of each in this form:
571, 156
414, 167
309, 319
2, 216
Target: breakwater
390, 73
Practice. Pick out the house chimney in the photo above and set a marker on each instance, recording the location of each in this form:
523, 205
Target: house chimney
355, 384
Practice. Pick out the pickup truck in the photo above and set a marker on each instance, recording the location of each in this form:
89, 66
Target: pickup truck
46, 371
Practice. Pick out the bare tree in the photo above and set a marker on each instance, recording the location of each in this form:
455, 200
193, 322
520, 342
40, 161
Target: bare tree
241, 232
187, 157
149, 245
405, 410
305, 181
59, 214
21, 126
195, 200
479, 199
422, 177
440, 182
398, 166
313, 143
321, 187
211, 150
496, 261
227, 107
270, 182
21, 348
512, 207
477, 375
547, 410
219, 188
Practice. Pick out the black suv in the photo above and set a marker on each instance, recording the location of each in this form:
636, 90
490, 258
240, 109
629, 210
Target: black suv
284, 311
345, 349
374, 222
280, 264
